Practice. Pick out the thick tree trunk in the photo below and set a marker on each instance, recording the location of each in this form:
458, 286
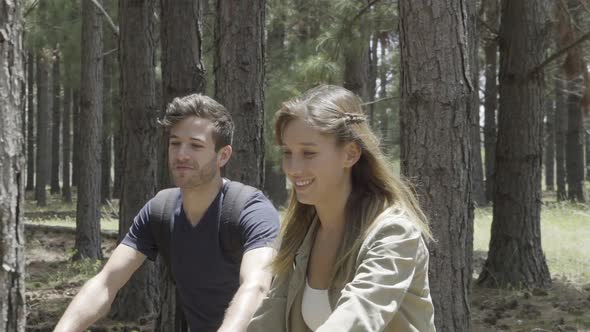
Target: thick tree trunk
275, 185
437, 94
491, 96
182, 70
560, 131
56, 123
66, 145
88, 205
12, 142
239, 84
43, 134
516, 258
574, 152
139, 110
549, 145
30, 121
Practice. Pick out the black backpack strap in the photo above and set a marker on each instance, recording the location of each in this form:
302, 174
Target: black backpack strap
236, 195
161, 209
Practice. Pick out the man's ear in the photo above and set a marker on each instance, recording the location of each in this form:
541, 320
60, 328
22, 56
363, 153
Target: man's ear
352, 153
223, 155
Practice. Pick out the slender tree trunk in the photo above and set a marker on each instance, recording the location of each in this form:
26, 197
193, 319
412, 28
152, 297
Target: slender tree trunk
239, 83
491, 96
549, 145
139, 109
12, 164
43, 134
107, 131
76, 132
182, 70
56, 123
88, 205
66, 145
560, 131
587, 154
478, 192
516, 257
118, 154
372, 79
574, 152
437, 92
30, 122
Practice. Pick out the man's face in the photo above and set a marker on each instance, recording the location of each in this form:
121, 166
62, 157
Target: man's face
191, 153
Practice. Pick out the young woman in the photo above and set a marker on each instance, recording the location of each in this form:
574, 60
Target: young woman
352, 255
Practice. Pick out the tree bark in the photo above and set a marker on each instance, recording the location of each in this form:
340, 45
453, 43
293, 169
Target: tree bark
574, 152
66, 145
437, 96
12, 164
587, 154
55, 123
76, 133
43, 133
139, 296
478, 192
491, 95
515, 258
549, 145
107, 122
239, 84
182, 70
561, 121
30, 121
88, 205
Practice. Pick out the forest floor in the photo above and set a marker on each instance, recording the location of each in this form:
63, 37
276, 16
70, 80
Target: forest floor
52, 279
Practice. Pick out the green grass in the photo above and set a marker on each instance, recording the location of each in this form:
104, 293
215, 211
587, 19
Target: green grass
565, 230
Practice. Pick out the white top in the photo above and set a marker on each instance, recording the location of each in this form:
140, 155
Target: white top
315, 306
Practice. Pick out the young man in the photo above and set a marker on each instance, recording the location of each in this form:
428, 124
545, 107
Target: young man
216, 292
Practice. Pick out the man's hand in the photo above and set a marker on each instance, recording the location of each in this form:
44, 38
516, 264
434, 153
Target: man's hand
95, 298
255, 278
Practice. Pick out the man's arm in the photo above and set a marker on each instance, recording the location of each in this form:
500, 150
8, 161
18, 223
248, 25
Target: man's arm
95, 298
255, 278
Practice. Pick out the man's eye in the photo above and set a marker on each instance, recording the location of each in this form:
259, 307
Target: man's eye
286, 153
196, 146
174, 143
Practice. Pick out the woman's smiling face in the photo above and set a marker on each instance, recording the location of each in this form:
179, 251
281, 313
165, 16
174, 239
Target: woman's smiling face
314, 163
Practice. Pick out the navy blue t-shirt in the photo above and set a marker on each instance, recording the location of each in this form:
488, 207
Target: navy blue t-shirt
206, 278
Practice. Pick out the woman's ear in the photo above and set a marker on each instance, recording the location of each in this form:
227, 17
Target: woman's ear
352, 153
223, 155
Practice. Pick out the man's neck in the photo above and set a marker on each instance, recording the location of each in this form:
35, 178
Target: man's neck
195, 201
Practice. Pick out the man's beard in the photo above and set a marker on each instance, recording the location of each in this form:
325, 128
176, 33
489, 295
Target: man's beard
202, 175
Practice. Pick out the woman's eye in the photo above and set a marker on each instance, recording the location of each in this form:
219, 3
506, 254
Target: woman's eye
308, 154
174, 143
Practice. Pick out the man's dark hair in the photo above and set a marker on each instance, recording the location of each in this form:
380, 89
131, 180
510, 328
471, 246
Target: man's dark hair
203, 107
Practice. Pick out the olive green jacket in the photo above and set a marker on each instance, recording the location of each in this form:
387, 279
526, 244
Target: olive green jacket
388, 292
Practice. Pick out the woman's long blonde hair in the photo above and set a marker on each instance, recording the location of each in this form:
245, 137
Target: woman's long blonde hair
336, 111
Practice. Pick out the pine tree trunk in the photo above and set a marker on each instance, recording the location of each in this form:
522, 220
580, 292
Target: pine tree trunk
30, 121
239, 84
43, 134
515, 257
182, 70
478, 192
491, 97
574, 152
437, 92
549, 145
12, 164
56, 123
76, 133
107, 131
88, 237
139, 296
587, 132
560, 131
66, 145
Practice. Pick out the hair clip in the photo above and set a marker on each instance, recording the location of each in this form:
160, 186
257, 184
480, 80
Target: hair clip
351, 118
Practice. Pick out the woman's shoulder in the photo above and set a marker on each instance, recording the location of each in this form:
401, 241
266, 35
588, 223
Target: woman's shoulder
394, 222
